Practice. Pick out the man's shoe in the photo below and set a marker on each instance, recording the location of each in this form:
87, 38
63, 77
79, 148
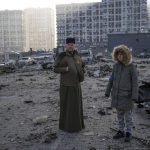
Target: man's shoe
118, 135
128, 137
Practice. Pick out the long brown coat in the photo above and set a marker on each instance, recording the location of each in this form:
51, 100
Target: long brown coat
123, 83
71, 109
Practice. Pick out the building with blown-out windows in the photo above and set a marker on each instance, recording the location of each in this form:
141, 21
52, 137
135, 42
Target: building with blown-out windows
90, 23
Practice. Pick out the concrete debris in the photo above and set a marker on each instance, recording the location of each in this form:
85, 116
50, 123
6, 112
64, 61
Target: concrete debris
99, 71
7, 68
92, 148
28, 101
49, 137
102, 112
3, 85
88, 133
40, 120
20, 79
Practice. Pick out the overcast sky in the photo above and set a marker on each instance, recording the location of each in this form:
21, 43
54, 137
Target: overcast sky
22, 4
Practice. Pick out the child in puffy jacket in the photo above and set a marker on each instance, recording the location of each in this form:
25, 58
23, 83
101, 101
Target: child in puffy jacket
123, 86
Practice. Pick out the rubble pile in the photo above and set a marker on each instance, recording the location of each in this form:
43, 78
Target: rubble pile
7, 68
99, 71
29, 111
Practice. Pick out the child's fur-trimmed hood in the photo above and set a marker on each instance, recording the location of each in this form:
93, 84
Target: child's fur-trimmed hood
126, 52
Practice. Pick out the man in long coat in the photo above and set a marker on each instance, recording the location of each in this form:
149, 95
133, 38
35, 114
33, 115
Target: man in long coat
70, 67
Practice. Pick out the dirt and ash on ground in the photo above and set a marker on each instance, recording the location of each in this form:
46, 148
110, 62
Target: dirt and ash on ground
29, 114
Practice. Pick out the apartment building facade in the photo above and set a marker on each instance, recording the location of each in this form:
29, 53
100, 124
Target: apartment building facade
81, 21
39, 28
148, 8
125, 16
90, 23
11, 30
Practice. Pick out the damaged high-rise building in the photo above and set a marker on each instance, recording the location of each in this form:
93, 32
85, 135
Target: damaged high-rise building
148, 8
90, 23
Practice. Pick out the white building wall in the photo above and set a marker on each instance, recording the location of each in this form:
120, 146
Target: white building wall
11, 31
39, 28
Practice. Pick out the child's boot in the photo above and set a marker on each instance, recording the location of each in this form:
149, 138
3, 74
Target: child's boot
128, 137
118, 135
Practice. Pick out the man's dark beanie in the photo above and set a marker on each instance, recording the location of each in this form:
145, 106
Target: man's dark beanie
70, 40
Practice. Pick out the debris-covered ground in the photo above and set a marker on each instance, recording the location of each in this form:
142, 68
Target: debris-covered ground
29, 113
